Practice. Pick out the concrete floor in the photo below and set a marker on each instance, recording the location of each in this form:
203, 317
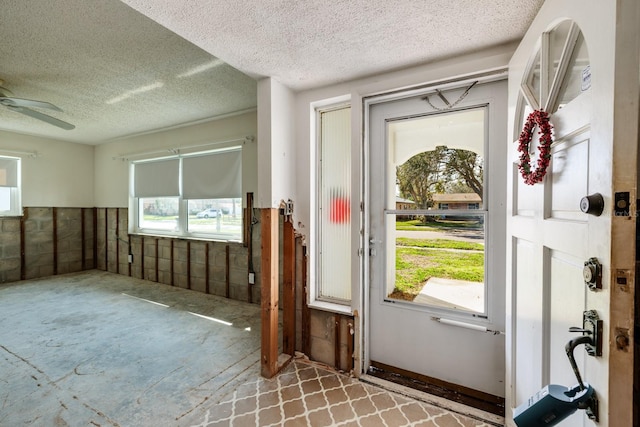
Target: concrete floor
100, 349
95, 348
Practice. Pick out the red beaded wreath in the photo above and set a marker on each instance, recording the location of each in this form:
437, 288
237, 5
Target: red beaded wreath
540, 118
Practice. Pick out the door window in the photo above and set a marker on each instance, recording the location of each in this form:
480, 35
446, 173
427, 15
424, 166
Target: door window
436, 257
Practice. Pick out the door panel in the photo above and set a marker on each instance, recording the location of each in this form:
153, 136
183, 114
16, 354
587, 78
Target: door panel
567, 301
528, 304
569, 176
548, 237
442, 333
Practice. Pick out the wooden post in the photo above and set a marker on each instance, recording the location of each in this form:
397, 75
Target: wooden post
248, 243
188, 264
306, 311
83, 238
206, 267
288, 283
95, 237
350, 343
157, 279
227, 273
269, 292
118, 240
54, 215
106, 239
23, 260
337, 319
172, 267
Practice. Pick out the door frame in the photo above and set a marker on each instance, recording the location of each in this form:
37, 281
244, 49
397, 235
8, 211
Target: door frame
367, 103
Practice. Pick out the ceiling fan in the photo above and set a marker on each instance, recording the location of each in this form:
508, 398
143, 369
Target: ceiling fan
24, 106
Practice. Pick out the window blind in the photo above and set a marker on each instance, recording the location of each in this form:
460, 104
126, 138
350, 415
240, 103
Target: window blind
212, 176
157, 178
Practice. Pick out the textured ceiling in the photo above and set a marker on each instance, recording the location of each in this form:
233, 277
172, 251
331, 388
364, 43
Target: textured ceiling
113, 71
116, 72
306, 44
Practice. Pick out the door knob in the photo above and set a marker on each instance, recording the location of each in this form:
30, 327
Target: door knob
593, 204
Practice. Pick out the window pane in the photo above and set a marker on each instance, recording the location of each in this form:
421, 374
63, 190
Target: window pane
578, 77
557, 40
10, 200
439, 261
197, 195
533, 79
8, 172
438, 160
523, 111
5, 198
216, 216
335, 205
159, 213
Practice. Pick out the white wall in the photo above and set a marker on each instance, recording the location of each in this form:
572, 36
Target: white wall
277, 153
492, 59
112, 176
61, 175
486, 60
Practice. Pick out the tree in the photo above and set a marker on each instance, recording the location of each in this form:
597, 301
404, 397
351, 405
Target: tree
464, 167
421, 176
438, 171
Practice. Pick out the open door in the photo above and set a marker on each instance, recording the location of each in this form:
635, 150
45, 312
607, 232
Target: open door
435, 195
578, 63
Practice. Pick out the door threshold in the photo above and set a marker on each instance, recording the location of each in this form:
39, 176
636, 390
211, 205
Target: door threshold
490, 409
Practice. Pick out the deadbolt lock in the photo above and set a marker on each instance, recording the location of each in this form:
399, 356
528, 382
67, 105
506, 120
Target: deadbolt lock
592, 274
593, 204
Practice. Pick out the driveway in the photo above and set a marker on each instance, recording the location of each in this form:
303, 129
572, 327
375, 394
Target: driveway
475, 236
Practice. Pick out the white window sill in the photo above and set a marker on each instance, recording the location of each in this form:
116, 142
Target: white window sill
332, 307
149, 233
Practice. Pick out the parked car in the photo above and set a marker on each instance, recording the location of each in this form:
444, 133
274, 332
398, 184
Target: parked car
209, 213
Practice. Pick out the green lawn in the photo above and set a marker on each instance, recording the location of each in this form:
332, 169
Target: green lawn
439, 244
438, 225
417, 261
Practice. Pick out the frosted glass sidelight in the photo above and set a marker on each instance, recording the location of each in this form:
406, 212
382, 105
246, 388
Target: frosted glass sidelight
334, 260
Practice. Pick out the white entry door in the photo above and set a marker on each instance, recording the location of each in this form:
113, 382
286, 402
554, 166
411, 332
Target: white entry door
573, 65
435, 188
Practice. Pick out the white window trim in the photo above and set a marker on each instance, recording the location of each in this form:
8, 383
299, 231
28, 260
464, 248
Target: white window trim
314, 301
182, 221
16, 192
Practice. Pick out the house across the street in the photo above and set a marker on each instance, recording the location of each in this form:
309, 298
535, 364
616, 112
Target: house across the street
457, 201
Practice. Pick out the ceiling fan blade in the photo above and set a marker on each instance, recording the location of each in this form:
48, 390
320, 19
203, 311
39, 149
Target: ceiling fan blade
19, 102
43, 117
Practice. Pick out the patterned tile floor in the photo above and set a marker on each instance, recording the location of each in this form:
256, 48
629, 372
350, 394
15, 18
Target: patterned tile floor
305, 394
